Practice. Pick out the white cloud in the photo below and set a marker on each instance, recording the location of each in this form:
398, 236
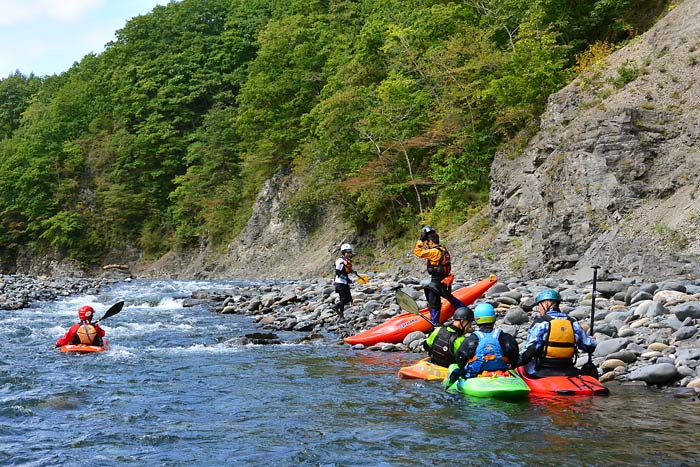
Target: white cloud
14, 12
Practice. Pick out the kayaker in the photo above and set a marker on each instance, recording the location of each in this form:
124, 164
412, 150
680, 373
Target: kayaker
83, 332
343, 269
443, 342
439, 265
486, 350
550, 348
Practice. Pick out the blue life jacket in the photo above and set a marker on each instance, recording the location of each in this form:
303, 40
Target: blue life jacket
489, 355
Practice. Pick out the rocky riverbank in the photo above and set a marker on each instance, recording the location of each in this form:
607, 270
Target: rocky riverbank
17, 291
647, 333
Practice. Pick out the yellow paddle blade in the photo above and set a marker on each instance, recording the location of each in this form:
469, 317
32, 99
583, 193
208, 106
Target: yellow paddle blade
362, 279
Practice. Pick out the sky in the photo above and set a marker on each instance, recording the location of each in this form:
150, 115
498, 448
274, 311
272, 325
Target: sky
46, 37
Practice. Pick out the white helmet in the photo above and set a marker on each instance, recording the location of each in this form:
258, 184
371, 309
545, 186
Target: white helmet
346, 248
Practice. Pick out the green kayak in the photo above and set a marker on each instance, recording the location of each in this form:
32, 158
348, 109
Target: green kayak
502, 385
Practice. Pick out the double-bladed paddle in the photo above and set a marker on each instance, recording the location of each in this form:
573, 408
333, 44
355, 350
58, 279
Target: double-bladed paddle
589, 367
407, 303
113, 310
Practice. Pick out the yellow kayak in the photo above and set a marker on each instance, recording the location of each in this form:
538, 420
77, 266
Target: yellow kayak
423, 369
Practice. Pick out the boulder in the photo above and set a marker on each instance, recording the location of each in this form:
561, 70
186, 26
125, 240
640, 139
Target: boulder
687, 309
659, 373
612, 345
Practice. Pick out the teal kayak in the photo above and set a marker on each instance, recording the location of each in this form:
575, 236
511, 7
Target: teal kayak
497, 385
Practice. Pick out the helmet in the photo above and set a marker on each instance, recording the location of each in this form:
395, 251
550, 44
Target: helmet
548, 294
484, 313
346, 248
424, 231
85, 313
463, 313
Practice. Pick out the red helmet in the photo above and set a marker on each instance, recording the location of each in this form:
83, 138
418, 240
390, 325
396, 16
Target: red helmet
85, 313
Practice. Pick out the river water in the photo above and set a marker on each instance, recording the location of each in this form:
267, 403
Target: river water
175, 389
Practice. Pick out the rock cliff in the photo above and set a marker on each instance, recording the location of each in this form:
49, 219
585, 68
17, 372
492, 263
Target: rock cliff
613, 175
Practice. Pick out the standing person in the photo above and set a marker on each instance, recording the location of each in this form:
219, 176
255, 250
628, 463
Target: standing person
443, 342
343, 269
487, 349
550, 348
439, 265
83, 332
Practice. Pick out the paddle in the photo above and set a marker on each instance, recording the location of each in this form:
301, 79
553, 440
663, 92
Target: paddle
589, 368
362, 279
407, 303
113, 310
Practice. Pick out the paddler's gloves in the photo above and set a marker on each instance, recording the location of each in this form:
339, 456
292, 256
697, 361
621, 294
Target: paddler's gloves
456, 374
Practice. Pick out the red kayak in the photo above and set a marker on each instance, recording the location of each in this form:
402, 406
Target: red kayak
395, 329
583, 385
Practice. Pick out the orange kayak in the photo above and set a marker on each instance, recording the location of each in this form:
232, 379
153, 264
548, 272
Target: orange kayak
583, 385
84, 348
397, 328
423, 369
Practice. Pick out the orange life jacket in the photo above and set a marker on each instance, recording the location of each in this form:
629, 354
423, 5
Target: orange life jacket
86, 333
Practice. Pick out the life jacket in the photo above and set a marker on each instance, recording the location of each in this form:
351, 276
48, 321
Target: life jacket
347, 266
488, 355
442, 352
559, 346
86, 333
443, 267
346, 269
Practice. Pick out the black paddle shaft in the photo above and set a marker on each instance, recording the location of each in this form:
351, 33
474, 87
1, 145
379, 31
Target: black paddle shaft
595, 278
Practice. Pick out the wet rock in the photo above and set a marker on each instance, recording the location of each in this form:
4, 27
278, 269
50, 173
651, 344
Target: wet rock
655, 374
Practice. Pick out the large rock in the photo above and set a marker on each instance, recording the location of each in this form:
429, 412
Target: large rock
659, 373
687, 309
609, 346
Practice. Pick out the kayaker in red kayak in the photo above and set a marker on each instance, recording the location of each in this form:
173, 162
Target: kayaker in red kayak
83, 332
550, 348
443, 342
439, 265
487, 349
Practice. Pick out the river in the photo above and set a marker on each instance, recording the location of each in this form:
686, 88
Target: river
175, 389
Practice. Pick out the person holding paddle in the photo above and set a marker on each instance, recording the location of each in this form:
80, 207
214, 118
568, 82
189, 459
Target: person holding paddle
84, 332
550, 348
443, 342
343, 269
439, 265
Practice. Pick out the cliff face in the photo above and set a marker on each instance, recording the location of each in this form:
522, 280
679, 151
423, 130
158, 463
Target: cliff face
613, 175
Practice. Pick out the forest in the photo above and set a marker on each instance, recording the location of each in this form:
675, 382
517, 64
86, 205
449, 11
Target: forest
390, 111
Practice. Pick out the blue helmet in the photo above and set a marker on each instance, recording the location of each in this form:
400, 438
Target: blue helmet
548, 294
484, 313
